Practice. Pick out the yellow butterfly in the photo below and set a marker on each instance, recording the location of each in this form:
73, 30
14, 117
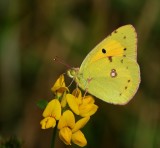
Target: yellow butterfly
110, 71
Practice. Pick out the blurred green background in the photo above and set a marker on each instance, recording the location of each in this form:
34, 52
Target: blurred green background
33, 32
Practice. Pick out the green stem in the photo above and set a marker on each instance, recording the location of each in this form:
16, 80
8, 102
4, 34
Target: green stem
54, 136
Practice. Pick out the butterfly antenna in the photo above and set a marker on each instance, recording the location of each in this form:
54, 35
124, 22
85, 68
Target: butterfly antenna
58, 60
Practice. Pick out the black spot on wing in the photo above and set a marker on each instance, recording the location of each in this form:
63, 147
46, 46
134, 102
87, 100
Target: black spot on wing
103, 50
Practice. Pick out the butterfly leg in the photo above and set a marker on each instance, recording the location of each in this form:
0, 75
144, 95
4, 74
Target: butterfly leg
86, 90
71, 82
76, 93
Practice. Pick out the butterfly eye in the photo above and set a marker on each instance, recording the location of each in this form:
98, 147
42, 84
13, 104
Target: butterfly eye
103, 51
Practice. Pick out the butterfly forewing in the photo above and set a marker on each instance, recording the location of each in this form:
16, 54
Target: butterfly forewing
125, 36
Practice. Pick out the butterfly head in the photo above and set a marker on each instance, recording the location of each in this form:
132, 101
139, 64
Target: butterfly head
73, 72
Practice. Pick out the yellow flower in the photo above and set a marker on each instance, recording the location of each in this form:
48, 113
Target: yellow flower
59, 87
73, 103
51, 113
63, 100
70, 130
87, 107
81, 106
48, 122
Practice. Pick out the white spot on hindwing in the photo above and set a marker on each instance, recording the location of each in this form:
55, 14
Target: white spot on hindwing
113, 73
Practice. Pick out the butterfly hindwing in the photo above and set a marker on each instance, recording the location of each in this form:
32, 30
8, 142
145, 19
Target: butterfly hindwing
114, 82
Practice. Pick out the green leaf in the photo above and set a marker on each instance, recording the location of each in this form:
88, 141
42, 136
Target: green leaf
42, 103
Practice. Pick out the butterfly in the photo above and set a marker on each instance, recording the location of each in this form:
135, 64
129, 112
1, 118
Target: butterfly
110, 71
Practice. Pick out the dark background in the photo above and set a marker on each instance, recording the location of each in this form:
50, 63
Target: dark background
33, 32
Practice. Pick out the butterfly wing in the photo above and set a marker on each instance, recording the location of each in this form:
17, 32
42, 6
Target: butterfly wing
114, 82
110, 71
120, 40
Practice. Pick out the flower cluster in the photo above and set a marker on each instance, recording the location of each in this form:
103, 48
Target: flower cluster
64, 109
